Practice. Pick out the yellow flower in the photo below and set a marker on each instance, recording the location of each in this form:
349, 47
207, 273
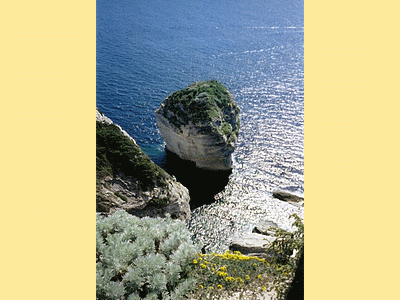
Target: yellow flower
211, 287
239, 279
259, 276
206, 262
200, 259
203, 266
247, 277
263, 288
195, 261
222, 274
212, 269
255, 265
229, 279
220, 286
223, 268
201, 286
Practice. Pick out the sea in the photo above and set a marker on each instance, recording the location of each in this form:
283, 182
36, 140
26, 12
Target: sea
147, 49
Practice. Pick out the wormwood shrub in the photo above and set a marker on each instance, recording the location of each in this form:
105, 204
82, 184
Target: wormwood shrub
155, 259
144, 258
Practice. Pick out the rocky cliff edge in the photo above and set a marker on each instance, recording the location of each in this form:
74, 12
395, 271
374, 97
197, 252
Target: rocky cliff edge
127, 179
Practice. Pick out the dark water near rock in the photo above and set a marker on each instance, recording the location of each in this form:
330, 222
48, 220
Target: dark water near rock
149, 49
203, 185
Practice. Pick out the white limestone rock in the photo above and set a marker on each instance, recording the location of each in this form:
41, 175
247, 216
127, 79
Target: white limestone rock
121, 192
253, 244
265, 228
201, 124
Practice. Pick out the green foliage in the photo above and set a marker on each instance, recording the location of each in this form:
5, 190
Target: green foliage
118, 194
286, 242
283, 247
226, 128
155, 259
142, 258
117, 153
218, 274
159, 201
206, 102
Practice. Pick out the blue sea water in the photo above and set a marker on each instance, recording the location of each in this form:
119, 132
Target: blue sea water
149, 49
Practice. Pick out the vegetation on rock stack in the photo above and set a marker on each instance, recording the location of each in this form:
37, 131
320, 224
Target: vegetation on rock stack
117, 153
206, 102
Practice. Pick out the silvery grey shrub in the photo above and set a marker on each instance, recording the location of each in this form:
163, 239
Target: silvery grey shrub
142, 258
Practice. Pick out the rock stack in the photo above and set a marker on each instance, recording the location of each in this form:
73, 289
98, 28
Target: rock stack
201, 124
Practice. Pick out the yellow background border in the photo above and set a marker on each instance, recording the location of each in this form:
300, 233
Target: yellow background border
48, 143
48, 140
351, 149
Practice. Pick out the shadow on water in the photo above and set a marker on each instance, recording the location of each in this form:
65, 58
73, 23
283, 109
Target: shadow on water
203, 185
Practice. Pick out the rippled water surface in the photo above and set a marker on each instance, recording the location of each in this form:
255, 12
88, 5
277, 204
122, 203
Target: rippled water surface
149, 49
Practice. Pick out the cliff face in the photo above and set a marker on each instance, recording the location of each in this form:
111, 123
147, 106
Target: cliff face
127, 179
201, 124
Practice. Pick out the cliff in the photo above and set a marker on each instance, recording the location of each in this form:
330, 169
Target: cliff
201, 124
127, 179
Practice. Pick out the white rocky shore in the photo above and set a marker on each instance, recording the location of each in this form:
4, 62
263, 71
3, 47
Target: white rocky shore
223, 223
200, 124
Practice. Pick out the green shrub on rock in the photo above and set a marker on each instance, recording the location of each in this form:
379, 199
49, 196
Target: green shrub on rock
289, 249
144, 258
207, 103
117, 153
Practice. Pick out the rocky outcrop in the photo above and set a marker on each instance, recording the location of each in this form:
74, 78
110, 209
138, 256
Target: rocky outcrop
265, 228
285, 196
121, 192
201, 124
253, 244
257, 242
100, 117
288, 197
127, 179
